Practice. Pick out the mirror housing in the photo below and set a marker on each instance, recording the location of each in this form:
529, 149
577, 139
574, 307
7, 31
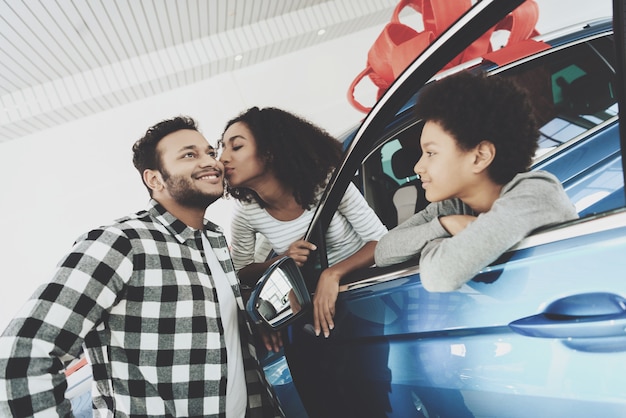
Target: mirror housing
280, 296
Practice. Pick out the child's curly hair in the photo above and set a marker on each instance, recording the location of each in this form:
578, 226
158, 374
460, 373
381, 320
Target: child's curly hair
476, 107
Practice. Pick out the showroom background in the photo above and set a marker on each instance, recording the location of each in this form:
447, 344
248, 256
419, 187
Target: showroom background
61, 182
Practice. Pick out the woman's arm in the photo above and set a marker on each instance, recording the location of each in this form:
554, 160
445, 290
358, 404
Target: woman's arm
365, 227
328, 287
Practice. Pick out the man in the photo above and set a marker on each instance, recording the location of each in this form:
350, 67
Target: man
154, 300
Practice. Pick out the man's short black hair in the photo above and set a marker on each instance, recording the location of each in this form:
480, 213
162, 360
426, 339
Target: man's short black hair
145, 156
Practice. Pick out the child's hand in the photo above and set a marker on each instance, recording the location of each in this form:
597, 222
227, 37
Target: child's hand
456, 223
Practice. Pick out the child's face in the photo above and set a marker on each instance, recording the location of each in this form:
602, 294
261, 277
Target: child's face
445, 169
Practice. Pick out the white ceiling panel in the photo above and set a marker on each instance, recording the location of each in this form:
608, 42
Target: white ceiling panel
65, 59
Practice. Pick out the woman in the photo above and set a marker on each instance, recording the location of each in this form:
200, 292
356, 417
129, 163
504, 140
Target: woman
277, 165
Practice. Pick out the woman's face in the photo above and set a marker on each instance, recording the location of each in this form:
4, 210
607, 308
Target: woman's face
242, 165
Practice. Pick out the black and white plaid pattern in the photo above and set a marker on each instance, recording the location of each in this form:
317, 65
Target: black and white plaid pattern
140, 296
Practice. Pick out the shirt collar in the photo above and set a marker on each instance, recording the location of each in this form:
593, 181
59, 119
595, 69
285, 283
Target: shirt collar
179, 229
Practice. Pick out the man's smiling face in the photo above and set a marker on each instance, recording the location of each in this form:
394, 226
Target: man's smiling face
193, 176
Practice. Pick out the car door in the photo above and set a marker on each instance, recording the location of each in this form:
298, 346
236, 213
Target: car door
540, 332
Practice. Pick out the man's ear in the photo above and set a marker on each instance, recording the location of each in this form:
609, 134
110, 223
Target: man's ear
153, 179
484, 152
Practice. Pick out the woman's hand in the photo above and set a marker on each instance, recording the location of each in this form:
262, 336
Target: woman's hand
324, 302
300, 251
328, 287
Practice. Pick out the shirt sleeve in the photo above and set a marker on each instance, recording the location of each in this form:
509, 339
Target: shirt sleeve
447, 263
243, 238
360, 215
49, 330
408, 239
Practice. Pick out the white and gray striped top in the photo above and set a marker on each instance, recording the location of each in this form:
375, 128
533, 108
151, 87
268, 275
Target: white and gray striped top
354, 224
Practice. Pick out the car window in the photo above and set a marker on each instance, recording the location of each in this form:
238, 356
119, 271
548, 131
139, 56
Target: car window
572, 89
390, 185
573, 92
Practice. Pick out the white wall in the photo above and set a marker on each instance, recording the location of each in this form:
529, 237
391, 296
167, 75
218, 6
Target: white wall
59, 183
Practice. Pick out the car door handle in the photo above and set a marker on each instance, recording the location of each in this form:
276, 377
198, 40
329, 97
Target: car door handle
587, 315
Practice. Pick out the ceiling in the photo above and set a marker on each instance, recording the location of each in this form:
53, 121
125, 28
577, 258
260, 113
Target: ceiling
65, 59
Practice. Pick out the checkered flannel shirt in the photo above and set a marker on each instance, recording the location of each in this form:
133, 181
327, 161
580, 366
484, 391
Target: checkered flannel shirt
139, 295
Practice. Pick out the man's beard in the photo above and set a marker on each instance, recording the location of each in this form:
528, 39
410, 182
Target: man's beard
184, 193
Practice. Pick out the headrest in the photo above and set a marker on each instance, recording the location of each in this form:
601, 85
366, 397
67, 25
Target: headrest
402, 163
587, 95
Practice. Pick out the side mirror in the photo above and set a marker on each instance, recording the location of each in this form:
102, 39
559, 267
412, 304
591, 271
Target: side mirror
280, 295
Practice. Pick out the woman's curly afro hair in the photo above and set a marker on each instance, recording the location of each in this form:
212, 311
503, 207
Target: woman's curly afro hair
300, 154
476, 107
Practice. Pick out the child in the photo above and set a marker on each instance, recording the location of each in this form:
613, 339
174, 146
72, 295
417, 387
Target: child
478, 143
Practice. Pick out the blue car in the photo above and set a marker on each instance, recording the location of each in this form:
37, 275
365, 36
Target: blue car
541, 332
